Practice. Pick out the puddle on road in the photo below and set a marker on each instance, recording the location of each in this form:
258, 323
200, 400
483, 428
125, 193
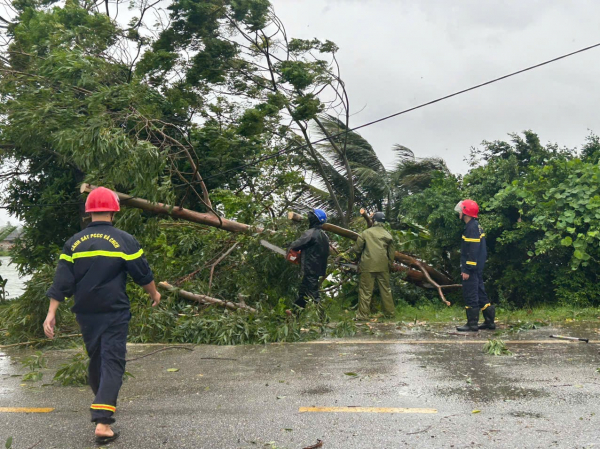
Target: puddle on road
492, 393
7, 371
470, 376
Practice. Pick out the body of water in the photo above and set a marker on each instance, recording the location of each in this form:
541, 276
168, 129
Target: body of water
15, 284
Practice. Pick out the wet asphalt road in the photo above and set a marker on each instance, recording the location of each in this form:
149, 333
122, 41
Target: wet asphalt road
544, 396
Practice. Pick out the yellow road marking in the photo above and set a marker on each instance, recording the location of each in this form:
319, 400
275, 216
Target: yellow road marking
365, 410
439, 342
25, 410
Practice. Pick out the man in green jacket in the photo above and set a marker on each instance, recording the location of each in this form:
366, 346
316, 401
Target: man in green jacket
376, 249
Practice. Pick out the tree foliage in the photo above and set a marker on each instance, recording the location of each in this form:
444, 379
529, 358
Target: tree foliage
540, 213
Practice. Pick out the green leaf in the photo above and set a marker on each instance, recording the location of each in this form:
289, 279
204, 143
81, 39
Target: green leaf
8, 444
172, 370
578, 254
351, 374
567, 241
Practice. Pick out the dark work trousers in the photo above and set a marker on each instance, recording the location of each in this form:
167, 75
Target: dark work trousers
105, 338
474, 291
309, 290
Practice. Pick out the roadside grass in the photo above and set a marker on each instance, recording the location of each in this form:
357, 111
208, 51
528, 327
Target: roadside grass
433, 313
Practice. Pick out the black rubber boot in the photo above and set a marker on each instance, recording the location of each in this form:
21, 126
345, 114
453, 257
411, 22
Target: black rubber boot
489, 315
472, 320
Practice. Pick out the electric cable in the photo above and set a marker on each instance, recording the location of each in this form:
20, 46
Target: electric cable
387, 117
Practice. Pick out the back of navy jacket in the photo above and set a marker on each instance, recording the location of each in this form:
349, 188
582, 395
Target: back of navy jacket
473, 251
93, 268
314, 245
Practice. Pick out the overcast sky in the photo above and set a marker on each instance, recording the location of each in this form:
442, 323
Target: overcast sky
398, 54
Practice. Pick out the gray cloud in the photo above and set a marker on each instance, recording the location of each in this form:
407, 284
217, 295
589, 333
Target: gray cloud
397, 54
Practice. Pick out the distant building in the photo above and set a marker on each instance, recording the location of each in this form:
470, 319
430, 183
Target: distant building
9, 241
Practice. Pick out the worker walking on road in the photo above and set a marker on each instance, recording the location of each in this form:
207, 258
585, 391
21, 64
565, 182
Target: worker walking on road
314, 247
375, 247
93, 267
473, 254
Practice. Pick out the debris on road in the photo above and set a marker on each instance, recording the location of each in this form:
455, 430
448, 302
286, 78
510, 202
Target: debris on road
562, 337
496, 347
315, 446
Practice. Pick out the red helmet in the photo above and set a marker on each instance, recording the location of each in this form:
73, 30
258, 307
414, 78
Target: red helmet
469, 208
102, 199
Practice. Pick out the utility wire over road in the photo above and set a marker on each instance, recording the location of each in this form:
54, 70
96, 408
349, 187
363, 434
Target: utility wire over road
387, 117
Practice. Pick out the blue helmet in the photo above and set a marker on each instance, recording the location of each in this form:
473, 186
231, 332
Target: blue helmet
321, 215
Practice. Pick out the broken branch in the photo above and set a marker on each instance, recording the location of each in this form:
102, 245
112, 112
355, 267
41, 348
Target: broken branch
367, 218
203, 299
217, 262
435, 284
32, 342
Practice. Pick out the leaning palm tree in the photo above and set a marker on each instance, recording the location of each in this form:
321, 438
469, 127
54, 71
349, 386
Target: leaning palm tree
349, 164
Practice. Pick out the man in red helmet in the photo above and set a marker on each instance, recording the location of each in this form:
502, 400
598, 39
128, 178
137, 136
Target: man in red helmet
473, 254
93, 268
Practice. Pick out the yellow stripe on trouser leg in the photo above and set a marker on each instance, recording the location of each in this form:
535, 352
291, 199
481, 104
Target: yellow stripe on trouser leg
471, 263
106, 407
485, 307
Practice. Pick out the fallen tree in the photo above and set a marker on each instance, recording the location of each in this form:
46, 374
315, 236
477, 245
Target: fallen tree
413, 269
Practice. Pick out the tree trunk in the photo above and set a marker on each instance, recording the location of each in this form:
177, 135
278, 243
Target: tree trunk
209, 219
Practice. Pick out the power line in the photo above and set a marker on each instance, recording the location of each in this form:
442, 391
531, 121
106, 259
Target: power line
286, 150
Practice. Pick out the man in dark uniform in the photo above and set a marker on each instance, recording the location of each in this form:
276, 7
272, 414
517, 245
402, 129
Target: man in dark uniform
93, 268
473, 254
314, 247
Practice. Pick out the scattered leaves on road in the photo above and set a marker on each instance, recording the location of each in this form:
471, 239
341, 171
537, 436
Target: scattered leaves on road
496, 347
